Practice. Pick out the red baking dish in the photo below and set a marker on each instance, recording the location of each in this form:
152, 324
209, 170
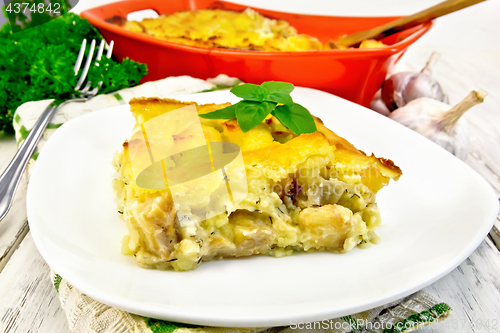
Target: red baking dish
354, 74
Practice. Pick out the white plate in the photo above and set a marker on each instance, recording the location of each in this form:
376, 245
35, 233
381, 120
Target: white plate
433, 218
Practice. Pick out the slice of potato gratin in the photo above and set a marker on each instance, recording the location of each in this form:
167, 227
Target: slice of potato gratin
309, 192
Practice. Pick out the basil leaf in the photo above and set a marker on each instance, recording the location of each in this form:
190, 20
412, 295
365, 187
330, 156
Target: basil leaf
259, 101
250, 92
278, 97
250, 114
225, 113
276, 86
296, 118
278, 92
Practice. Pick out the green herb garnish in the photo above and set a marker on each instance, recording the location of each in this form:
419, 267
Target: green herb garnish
37, 64
260, 101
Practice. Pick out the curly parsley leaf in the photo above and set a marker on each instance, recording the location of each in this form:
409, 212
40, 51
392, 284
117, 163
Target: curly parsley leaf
116, 76
37, 64
259, 101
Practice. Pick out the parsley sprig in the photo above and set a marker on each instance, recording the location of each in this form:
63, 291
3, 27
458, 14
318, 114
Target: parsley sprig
37, 64
259, 101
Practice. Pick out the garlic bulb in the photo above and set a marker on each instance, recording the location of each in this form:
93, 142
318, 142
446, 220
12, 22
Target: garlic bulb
401, 88
439, 121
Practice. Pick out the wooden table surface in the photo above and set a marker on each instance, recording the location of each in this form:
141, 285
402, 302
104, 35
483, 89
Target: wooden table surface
29, 302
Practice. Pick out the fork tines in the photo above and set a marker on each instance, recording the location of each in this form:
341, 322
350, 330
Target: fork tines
88, 62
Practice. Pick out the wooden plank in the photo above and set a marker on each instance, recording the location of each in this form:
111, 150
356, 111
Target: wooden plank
473, 292
13, 227
29, 300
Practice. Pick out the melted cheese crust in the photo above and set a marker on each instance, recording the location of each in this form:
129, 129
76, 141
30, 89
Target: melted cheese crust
305, 193
217, 28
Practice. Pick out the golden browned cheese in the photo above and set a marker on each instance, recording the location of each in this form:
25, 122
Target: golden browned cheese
309, 192
219, 28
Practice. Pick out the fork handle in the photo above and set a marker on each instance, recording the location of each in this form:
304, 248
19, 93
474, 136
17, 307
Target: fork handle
9, 180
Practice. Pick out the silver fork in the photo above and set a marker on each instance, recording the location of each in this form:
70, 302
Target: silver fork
9, 180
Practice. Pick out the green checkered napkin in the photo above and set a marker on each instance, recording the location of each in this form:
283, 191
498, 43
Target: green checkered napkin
87, 315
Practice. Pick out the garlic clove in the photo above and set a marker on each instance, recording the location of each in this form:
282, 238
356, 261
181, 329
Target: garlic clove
423, 85
401, 88
392, 90
439, 121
